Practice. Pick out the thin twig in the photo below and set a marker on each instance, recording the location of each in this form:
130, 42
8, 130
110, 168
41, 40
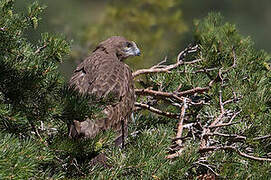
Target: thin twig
207, 166
158, 94
179, 61
179, 132
40, 49
204, 70
235, 136
157, 111
74, 162
176, 95
193, 91
180, 124
214, 148
262, 137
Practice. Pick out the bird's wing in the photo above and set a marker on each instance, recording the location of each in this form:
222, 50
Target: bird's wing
102, 76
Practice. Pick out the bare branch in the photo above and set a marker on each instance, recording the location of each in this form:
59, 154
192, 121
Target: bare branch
193, 91
174, 155
207, 166
214, 148
179, 132
205, 70
179, 61
223, 124
262, 137
235, 136
160, 64
158, 94
40, 49
227, 124
176, 95
180, 124
157, 111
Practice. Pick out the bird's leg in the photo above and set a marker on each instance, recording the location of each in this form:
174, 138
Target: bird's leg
120, 140
122, 134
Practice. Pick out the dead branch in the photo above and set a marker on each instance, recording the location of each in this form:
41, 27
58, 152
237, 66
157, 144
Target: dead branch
40, 49
157, 94
179, 61
209, 133
228, 123
193, 91
262, 137
207, 166
157, 111
176, 95
180, 124
214, 148
223, 124
166, 69
179, 132
234, 136
204, 70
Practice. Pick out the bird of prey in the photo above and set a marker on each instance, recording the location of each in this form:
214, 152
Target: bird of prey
101, 74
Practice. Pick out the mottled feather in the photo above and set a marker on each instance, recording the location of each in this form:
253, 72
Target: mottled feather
103, 73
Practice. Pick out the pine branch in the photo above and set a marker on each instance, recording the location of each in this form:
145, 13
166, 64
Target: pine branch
166, 69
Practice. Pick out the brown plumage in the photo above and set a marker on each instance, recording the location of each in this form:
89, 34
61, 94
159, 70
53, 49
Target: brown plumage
104, 73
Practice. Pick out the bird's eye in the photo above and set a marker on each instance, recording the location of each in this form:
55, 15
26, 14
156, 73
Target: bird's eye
129, 45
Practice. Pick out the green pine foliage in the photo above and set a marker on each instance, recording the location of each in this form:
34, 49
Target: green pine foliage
23, 159
35, 103
29, 80
244, 73
35, 107
29, 93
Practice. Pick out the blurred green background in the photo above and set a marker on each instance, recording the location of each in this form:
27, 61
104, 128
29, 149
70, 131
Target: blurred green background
161, 28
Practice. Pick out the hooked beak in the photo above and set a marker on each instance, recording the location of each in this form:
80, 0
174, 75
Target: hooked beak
137, 52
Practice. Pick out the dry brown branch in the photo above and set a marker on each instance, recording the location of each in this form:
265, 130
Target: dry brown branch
176, 95
174, 155
160, 68
262, 137
223, 125
205, 70
207, 166
40, 49
234, 136
217, 121
157, 94
238, 137
180, 124
166, 69
214, 148
157, 111
193, 91
222, 111
228, 123
179, 132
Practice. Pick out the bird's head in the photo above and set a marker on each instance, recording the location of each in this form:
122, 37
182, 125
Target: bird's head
119, 46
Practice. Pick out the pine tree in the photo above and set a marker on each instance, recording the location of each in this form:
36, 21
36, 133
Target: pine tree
30, 84
221, 79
